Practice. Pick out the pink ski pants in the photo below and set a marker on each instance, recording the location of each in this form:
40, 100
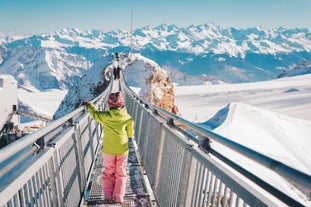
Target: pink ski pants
114, 176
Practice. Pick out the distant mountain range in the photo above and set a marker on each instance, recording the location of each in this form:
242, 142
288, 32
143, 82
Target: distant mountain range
193, 55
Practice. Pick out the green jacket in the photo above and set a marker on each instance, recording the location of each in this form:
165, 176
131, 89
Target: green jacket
118, 127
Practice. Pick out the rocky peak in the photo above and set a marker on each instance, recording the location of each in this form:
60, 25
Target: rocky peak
155, 85
162, 91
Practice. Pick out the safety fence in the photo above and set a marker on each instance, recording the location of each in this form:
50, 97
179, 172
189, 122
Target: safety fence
51, 166
184, 170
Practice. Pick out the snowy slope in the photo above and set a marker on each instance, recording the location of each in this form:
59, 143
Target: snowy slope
87, 87
276, 135
289, 96
303, 67
271, 117
279, 137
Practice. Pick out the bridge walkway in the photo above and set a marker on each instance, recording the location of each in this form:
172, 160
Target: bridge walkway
136, 191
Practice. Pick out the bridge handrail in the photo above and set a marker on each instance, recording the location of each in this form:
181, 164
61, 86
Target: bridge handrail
58, 174
19, 144
299, 179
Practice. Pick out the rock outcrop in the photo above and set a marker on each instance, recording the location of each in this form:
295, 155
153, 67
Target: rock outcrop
155, 85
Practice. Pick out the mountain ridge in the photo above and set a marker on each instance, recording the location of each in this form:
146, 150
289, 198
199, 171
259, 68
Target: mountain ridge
201, 52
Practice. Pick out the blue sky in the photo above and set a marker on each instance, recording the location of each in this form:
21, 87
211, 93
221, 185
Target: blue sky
38, 16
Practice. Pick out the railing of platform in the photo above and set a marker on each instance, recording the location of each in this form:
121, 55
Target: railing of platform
58, 174
184, 170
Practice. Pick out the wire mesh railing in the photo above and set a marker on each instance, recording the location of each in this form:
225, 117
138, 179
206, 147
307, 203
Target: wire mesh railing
57, 176
182, 168
185, 171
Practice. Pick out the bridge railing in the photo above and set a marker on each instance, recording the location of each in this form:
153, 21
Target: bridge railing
184, 170
57, 176
182, 167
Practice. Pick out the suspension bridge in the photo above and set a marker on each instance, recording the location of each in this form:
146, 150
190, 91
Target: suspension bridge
171, 163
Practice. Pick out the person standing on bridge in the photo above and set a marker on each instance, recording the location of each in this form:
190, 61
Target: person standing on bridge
118, 127
117, 67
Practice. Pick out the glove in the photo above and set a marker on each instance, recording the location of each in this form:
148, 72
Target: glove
85, 103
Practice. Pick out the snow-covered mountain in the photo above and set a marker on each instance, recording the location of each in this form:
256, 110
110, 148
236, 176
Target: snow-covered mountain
199, 52
303, 67
155, 86
89, 86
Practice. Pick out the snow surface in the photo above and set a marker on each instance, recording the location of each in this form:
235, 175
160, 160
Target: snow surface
289, 96
272, 117
43, 102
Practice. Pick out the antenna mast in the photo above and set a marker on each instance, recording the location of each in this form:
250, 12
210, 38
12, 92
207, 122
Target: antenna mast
131, 29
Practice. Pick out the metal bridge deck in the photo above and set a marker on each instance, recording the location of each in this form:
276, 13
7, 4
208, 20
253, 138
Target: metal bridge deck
136, 192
